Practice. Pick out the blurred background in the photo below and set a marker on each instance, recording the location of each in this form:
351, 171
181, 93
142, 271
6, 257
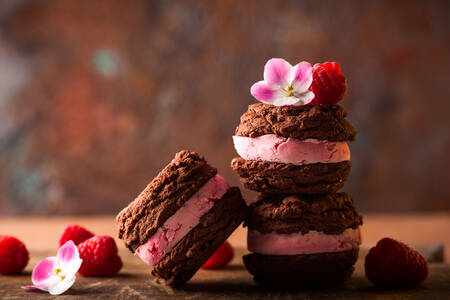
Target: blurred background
97, 96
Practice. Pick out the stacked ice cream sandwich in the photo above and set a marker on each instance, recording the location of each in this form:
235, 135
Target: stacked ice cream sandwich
293, 150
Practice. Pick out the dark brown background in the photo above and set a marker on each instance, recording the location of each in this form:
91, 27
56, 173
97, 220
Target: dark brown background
97, 96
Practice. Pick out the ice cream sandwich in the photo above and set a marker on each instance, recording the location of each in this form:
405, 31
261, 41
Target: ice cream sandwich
184, 214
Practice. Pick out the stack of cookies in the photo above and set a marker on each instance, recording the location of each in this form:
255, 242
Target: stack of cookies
301, 230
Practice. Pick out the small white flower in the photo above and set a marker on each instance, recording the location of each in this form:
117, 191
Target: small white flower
284, 84
56, 274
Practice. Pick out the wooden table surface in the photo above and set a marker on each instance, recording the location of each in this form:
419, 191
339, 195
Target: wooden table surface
42, 233
134, 281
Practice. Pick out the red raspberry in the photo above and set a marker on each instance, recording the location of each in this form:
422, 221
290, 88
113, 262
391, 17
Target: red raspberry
328, 85
13, 255
99, 255
393, 264
76, 233
220, 258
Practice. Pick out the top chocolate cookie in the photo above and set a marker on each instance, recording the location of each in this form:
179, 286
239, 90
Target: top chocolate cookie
322, 122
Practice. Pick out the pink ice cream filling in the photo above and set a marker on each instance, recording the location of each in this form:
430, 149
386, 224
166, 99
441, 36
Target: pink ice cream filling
179, 224
298, 243
273, 148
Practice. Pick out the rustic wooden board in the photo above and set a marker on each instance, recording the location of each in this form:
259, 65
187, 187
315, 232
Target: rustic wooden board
134, 282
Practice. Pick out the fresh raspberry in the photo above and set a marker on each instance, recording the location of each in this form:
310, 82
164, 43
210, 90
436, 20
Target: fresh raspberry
328, 85
76, 233
99, 255
13, 255
220, 258
393, 264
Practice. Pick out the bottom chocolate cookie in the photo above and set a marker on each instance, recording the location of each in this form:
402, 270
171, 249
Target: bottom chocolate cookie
301, 271
202, 241
272, 177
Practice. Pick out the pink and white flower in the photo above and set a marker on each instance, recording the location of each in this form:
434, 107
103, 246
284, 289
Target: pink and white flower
284, 84
56, 274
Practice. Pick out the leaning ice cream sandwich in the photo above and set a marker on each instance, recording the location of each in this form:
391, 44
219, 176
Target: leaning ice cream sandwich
301, 240
293, 149
180, 219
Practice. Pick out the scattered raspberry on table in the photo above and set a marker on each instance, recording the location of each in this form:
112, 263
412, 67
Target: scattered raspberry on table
76, 233
223, 255
393, 264
13, 255
99, 255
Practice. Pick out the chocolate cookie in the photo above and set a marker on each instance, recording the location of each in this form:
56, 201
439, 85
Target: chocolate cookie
181, 218
322, 122
301, 271
195, 249
163, 196
272, 177
330, 214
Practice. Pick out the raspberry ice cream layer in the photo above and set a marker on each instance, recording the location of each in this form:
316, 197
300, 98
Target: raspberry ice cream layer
298, 243
274, 148
186, 218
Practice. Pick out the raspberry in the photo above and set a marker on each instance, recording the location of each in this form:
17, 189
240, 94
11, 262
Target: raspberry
76, 233
220, 258
13, 255
393, 264
99, 255
328, 85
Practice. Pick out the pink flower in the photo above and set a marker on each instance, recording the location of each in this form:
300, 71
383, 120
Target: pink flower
56, 274
284, 84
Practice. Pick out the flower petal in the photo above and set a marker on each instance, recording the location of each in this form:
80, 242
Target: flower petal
302, 77
62, 286
67, 252
68, 258
43, 271
304, 98
276, 72
47, 284
31, 288
285, 101
263, 92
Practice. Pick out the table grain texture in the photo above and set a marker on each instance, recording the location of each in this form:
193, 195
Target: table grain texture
135, 282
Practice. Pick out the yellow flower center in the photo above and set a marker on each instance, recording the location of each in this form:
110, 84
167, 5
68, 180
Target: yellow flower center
57, 272
289, 91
